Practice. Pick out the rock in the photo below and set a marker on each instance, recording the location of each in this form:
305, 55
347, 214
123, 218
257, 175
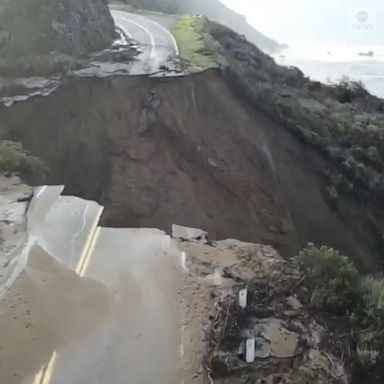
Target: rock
367, 54
152, 100
278, 341
294, 303
150, 103
36, 27
263, 348
189, 234
14, 200
331, 193
147, 121
213, 163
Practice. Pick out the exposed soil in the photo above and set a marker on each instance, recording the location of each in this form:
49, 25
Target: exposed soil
293, 344
187, 150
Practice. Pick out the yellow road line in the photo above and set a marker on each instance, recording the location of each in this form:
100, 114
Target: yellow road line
44, 376
87, 258
48, 372
39, 376
88, 243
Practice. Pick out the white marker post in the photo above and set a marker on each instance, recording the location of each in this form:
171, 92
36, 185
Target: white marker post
243, 298
250, 350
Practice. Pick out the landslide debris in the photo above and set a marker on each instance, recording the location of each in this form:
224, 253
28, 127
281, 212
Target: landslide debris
188, 150
296, 340
294, 344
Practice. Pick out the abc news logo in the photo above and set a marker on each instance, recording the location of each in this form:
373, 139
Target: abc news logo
364, 20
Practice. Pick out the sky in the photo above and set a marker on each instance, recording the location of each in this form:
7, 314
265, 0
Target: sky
335, 20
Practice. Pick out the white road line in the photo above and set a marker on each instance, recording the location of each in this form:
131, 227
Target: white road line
125, 31
153, 43
164, 30
74, 237
184, 261
40, 192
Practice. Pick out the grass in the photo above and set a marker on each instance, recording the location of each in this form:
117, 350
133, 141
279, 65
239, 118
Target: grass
333, 279
367, 355
369, 320
373, 288
337, 287
193, 48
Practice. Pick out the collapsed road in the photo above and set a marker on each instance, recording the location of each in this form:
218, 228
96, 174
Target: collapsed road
91, 304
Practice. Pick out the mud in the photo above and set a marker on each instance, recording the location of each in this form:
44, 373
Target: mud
188, 151
293, 344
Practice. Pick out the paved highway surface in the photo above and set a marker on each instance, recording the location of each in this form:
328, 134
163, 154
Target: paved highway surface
156, 42
93, 305
61, 224
139, 341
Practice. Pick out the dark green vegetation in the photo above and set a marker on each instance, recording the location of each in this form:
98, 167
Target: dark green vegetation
214, 10
14, 159
343, 122
335, 286
332, 278
32, 30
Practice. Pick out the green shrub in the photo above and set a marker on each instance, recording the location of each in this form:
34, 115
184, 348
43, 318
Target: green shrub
14, 159
368, 320
336, 286
367, 355
332, 278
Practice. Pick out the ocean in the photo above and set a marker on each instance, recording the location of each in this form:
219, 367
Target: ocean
330, 62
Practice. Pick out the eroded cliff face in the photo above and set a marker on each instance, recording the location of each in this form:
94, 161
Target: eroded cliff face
36, 27
188, 151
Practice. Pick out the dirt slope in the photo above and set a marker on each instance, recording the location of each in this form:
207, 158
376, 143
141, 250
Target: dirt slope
187, 151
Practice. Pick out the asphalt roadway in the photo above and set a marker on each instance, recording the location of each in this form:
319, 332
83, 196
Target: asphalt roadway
157, 44
91, 305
